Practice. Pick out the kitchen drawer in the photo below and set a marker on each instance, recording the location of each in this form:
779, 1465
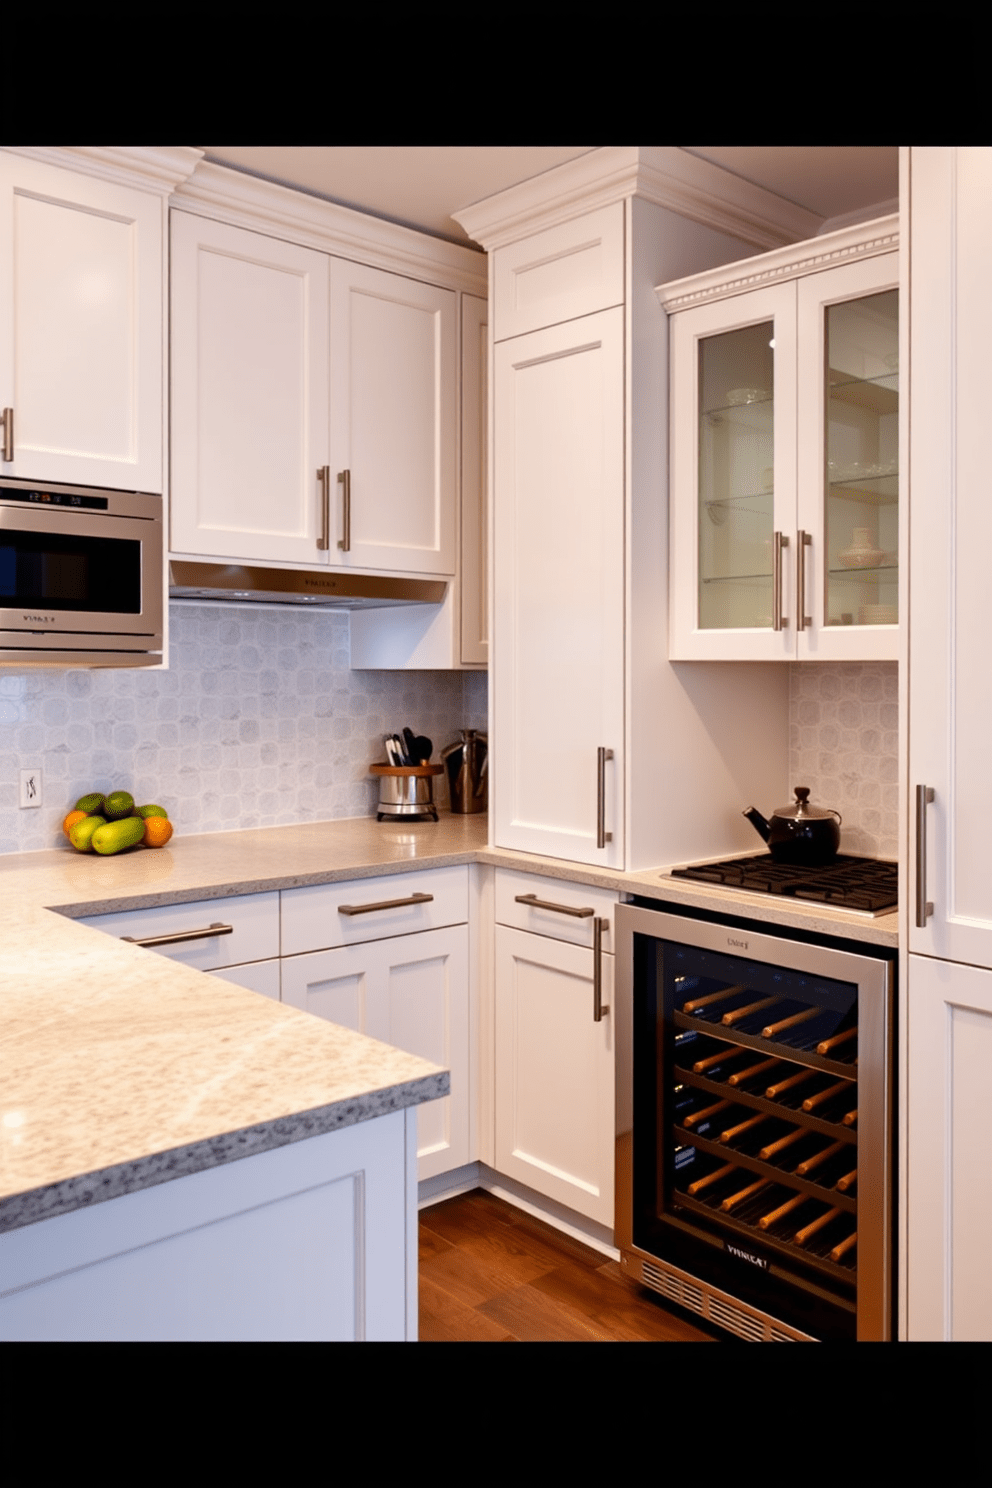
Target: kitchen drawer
254, 933
324, 916
557, 923
574, 268
256, 976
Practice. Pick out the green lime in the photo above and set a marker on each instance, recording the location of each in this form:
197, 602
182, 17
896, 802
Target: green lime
147, 811
117, 805
90, 803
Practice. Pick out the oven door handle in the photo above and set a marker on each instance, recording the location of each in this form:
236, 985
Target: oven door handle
599, 925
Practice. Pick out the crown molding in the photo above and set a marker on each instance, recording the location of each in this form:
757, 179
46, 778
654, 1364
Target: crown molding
865, 214
159, 168
865, 240
226, 195
663, 174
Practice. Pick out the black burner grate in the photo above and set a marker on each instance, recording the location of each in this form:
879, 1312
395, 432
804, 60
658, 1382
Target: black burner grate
867, 885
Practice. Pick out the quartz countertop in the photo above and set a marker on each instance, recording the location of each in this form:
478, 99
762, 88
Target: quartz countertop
123, 1070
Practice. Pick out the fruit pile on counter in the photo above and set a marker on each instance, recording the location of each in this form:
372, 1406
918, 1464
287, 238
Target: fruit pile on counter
112, 824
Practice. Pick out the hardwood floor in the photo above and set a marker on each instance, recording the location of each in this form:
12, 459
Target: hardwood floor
490, 1273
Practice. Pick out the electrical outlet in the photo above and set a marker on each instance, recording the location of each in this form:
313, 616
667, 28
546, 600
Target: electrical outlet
30, 788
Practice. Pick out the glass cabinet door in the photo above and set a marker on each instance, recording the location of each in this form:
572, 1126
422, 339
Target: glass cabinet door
849, 464
734, 477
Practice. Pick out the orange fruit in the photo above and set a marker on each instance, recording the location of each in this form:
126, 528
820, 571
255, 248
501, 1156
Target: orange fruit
72, 819
158, 830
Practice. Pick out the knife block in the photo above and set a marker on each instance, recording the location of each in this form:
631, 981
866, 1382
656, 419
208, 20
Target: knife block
406, 791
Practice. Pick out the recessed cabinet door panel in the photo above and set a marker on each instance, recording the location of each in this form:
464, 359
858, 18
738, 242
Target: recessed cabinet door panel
555, 1119
559, 598
394, 390
81, 296
249, 393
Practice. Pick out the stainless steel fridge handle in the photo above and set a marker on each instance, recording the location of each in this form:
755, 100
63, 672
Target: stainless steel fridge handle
924, 906
602, 835
779, 541
324, 477
599, 925
344, 543
803, 541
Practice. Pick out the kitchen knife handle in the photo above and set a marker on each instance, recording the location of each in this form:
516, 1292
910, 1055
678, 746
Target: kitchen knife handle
924, 906
181, 935
803, 540
344, 476
324, 477
779, 541
599, 924
7, 419
356, 909
535, 903
602, 835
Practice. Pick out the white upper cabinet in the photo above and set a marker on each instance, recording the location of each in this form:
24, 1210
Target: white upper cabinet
249, 394
314, 406
784, 440
81, 327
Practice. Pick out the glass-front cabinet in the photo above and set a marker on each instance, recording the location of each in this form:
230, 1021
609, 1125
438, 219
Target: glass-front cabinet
785, 441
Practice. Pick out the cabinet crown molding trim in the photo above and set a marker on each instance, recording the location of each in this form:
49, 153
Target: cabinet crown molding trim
159, 168
662, 174
864, 240
231, 196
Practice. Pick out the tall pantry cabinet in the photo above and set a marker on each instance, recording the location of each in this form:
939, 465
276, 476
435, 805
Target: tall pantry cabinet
948, 1234
602, 751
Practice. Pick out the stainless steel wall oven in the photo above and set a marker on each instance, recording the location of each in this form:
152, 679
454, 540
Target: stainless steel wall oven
755, 1123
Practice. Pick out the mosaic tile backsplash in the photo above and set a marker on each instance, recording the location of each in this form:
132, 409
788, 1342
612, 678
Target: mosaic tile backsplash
259, 721
844, 743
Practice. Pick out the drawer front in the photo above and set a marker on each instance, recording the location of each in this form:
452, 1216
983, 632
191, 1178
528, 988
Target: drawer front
256, 976
572, 269
254, 933
330, 915
553, 914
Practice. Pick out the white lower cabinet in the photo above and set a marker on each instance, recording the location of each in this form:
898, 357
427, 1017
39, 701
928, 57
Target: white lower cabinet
555, 1099
238, 938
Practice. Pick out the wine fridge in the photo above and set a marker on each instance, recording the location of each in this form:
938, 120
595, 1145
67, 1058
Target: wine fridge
754, 1124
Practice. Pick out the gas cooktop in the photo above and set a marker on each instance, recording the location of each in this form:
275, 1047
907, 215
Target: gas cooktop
866, 886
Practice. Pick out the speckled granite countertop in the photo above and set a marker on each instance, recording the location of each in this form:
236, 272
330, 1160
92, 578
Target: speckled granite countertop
122, 1070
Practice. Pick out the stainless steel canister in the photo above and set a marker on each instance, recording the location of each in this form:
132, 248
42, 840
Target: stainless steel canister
466, 766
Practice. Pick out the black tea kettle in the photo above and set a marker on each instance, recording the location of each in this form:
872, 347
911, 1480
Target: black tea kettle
807, 836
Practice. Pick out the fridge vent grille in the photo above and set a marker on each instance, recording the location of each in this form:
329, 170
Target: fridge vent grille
674, 1288
721, 1311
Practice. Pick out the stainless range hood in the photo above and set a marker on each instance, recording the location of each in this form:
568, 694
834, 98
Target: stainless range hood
342, 591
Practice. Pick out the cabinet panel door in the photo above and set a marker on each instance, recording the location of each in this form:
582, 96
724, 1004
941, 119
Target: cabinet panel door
950, 680
733, 478
559, 596
848, 465
81, 297
555, 1106
474, 574
412, 992
249, 393
394, 409
949, 1198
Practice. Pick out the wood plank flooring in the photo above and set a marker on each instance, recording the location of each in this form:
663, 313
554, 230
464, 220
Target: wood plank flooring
491, 1273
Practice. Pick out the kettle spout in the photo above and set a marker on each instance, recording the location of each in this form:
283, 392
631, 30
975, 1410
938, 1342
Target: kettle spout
757, 821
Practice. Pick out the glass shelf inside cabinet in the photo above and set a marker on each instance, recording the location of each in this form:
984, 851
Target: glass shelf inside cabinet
861, 476
736, 478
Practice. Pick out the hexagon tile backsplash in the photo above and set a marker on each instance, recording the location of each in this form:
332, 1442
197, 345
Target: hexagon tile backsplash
259, 721
844, 744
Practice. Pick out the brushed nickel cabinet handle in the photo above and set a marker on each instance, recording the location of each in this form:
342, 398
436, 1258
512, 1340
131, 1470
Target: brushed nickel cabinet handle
803, 541
324, 477
7, 419
181, 935
779, 541
535, 903
356, 909
599, 924
344, 476
924, 906
602, 835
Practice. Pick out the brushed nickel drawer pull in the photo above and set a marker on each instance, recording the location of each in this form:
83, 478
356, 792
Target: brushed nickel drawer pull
324, 477
353, 909
535, 903
924, 906
7, 419
602, 835
181, 935
779, 541
803, 541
